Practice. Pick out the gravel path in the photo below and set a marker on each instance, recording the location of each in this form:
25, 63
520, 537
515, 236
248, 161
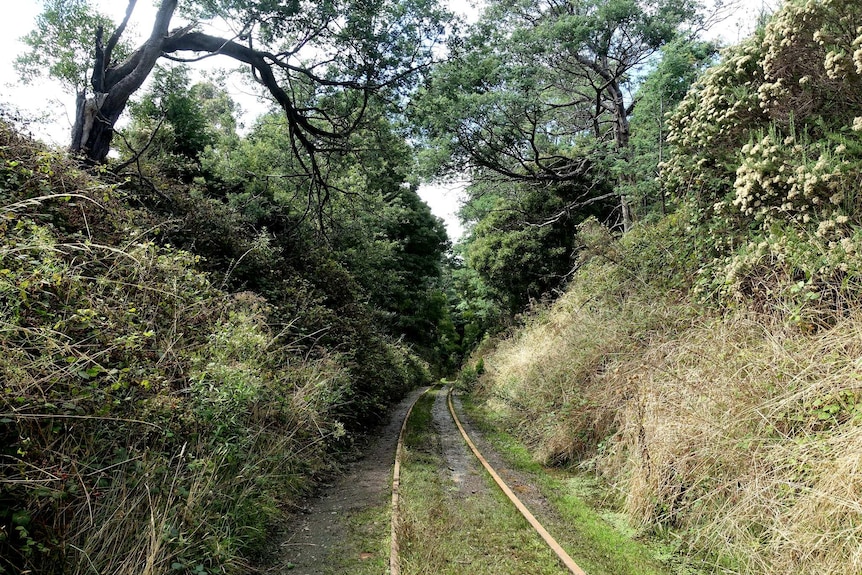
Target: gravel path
311, 539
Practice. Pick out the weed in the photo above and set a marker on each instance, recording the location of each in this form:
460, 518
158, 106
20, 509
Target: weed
447, 534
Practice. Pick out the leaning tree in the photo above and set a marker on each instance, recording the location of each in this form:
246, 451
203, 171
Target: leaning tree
320, 61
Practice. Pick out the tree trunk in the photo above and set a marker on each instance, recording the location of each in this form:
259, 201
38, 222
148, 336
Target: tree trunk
96, 116
94, 126
622, 135
78, 128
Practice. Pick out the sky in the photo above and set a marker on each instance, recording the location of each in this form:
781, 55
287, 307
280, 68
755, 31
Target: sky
49, 100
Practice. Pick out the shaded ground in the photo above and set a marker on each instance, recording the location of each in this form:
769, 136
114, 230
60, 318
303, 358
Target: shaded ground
321, 538
345, 530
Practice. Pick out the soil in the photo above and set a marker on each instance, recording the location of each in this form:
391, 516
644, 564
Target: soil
463, 469
311, 539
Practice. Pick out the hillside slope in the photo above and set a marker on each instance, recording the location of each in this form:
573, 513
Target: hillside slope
152, 420
707, 366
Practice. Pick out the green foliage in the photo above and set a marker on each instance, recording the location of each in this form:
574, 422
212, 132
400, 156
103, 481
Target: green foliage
376, 226
532, 102
123, 413
175, 111
60, 47
534, 87
317, 300
682, 61
711, 121
522, 244
149, 417
473, 309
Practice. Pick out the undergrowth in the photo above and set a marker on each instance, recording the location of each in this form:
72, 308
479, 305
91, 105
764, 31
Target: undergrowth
707, 366
150, 421
736, 431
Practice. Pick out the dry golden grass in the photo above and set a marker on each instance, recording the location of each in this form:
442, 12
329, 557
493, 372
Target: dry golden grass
740, 433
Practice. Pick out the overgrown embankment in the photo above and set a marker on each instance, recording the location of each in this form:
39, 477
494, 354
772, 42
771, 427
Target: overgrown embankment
736, 431
151, 421
707, 366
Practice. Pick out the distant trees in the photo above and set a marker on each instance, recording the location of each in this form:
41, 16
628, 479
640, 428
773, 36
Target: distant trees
661, 91
170, 118
537, 104
523, 240
376, 228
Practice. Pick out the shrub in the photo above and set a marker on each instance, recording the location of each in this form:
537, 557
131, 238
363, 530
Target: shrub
149, 421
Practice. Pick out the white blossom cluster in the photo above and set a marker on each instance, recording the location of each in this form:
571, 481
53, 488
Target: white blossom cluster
815, 43
809, 51
792, 180
718, 111
814, 259
790, 199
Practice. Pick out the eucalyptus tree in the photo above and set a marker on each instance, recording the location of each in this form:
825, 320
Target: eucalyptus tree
302, 51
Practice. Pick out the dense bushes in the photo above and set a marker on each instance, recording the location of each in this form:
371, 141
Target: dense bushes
152, 421
767, 146
707, 365
735, 430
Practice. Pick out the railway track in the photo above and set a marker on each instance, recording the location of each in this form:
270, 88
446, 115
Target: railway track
394, 557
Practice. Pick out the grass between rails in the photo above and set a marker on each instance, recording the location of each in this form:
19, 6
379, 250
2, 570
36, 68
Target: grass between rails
444, 532
596, 536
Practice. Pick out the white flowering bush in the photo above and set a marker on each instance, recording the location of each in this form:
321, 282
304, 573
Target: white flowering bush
768, 146
796, 180
803, 72
809, 48
706, 128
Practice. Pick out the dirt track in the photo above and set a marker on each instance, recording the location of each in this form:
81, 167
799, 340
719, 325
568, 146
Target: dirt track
317, 539
313, 537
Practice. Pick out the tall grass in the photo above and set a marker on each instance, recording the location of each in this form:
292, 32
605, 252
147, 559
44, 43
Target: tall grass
737, 431
149, 421
744, 435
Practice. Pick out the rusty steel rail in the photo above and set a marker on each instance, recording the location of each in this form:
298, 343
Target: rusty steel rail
531, 519
394, 566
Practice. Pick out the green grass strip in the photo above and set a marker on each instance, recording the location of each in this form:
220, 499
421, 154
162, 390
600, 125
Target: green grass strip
599, 540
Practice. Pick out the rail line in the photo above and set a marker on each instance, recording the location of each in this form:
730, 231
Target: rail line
394, 565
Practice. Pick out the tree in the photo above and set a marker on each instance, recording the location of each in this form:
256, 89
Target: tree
377, 228
170, 118
301, 51
61, 44
522, 240
540, 86
682, 62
